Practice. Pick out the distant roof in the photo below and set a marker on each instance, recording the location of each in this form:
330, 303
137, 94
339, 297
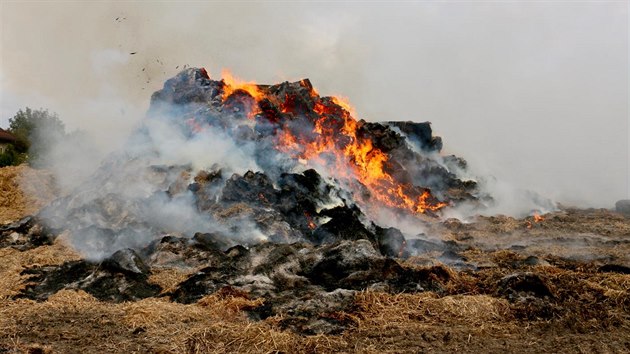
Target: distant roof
5, 136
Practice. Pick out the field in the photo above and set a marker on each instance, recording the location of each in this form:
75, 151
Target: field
560, 284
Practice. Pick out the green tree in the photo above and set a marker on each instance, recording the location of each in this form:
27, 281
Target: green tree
36, 130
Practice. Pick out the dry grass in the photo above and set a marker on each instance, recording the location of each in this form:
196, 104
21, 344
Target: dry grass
23, 191
169, 278
590, 311
470, 320
74, 321
475, 310
14, 262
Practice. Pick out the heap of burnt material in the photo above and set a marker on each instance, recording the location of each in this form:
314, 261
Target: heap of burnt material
322, 175
299, 233
304, 284
291, 118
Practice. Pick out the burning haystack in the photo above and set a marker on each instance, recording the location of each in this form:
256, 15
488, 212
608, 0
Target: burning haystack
255, 163
278, 200
268, 191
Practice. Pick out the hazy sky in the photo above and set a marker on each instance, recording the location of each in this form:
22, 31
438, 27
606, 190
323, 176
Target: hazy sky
534, 93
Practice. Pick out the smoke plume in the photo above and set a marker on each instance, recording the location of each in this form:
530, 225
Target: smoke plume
534, 94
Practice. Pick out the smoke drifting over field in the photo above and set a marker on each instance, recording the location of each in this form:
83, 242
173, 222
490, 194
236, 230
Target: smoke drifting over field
533, 93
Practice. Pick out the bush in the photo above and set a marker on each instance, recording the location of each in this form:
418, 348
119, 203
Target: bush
11, 157
36, 131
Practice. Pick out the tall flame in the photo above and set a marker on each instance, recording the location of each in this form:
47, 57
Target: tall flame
232, 83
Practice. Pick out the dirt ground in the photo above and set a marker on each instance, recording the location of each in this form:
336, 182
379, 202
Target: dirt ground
571, 269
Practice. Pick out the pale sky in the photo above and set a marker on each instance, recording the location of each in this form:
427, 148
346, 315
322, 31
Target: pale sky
534, 93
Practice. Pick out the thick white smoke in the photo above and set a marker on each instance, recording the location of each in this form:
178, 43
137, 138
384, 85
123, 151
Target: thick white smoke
534, 93
139, 192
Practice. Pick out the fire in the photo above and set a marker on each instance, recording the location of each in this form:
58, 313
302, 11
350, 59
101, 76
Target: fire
233, 83
537, 218
286, 142
344, 103
333, 137
339, 143
306, 83
309, 219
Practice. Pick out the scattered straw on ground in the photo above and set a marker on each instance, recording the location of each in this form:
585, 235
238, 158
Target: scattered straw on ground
169, 278
13, 262
23, 191
467, 321
589, 312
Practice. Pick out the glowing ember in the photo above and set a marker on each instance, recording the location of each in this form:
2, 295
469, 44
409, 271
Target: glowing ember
311, 224
195, 127
263, 198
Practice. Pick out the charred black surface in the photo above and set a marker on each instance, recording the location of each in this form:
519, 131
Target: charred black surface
46, 281
189, 86
614, 268
308, 285
207, 281
252, 187
420, 133
423, 245
352, 265
213, 241
179, 252
318, 313
298, 198
25, 234
127, 261
518, 285
383, 137
20, 226
122, 277
391, 242
344, 224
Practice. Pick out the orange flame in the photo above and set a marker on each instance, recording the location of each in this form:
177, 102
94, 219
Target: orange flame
537, 218
344, 103
335, 139
339, 143
309, 219
233, 83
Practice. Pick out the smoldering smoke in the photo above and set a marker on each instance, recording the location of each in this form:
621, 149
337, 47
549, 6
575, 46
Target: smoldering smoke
145, 190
